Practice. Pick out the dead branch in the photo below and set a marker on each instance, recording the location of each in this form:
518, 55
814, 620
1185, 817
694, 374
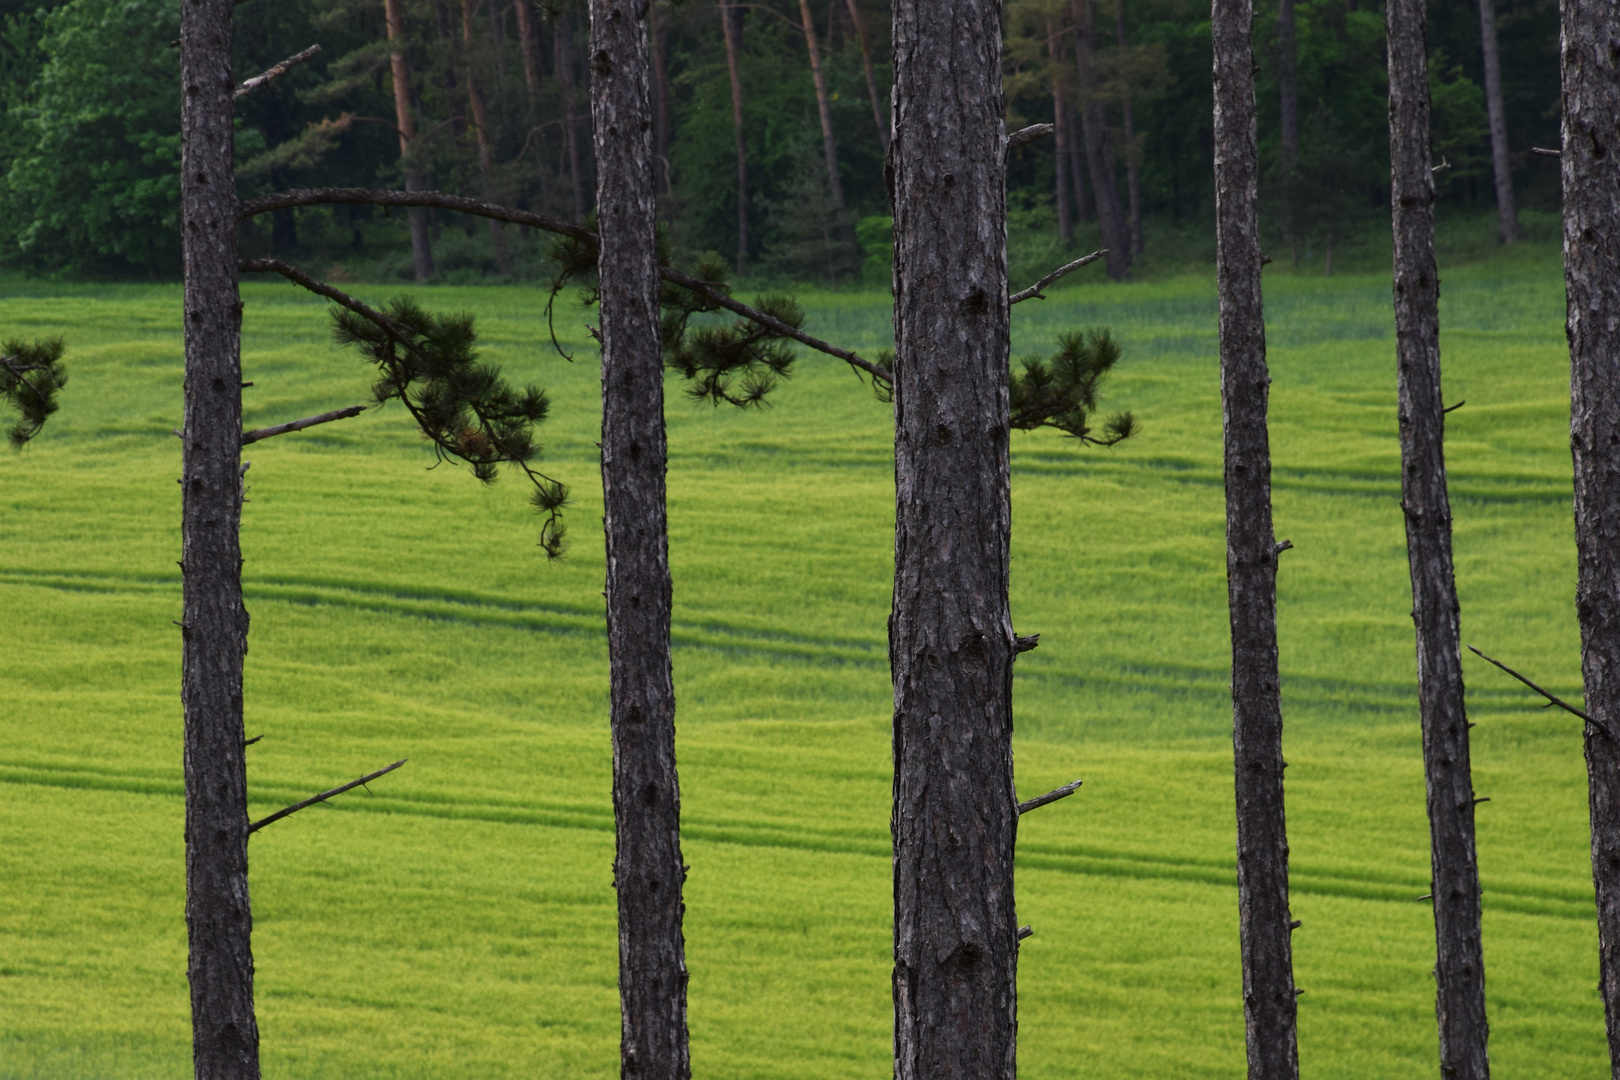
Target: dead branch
1543, 152
1023, 644
1028, 135
323, 796
1025, 931
1034, 291
278, 71
1552, 699
337, 296
299, 425
1050, 797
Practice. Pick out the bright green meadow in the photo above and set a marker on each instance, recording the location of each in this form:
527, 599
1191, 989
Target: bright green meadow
459, 920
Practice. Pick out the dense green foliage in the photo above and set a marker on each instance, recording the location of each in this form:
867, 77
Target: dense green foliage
460, 920
89, 127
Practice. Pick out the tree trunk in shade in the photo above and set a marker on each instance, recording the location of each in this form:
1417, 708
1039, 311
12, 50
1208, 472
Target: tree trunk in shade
656, 35
1077, 165
647, 872
563, 41
219, 919
829, 145
1133, 170
1060, 134
951, 643
733, 34
871, 82
1460, 966
1288, 117
1590, 164
1264, 922
1497, 114
475, 101
421, 241
1094, 124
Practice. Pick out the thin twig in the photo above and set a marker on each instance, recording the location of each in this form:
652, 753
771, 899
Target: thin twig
278, 71
1542, 152
1552, 699
1028, 135
1034, 291
323, 796
299, 425
1050, 797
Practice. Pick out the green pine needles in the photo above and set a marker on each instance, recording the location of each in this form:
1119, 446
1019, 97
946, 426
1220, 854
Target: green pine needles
30, 376
465, 408
1061, 392
738, 363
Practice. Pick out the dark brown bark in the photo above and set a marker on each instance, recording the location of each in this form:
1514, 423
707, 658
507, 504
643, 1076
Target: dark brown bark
1060, 134
1077, 165
1251, 563
1590, 164
219, 918
1459, 966
531, 57
647, 870
1094, 126
733, 34
563, 39
475, 101
655, 27
1497, 115
1133, 170
829, 145
951, 641
871, 81
404, 120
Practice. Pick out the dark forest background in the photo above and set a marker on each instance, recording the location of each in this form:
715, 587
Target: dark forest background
89, 133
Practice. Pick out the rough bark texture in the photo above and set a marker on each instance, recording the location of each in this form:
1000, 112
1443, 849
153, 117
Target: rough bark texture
1459, 966
728, 24
1094, 126
1060, 135
829, 145
219, 920
648, 871
1251, 563
1133, 169
871, 81
1502, 171
950, 634
404, 120
1591, 173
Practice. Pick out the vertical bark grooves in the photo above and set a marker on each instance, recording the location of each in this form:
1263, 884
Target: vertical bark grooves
871, 81
1497, 114
648, 872
399, 70
1251, 563
950, 635
1060, 133
732, 33
219, 919
1590, 164
1133, 170
1459, 965
1094, 126
829, 145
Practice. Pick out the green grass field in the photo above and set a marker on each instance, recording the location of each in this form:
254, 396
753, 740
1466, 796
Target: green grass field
460, 923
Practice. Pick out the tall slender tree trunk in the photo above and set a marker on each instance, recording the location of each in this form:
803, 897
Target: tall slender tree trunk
1077, 165
421, 241
655, 28
1133, 156
1288, 118
871, 81
1094, 125
563, 39
1264, 922
475, 101
1505, 208
1460, 965
647, 871
950, 634
1590, 165
1060, 134
528, 45
829, 145
733, 34
219, 918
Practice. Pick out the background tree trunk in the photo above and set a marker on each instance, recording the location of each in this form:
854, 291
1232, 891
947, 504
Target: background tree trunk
950, 634
1077, 165
1505, 209
219, 918
1060, 134
829, 145
1288, 117
648, 872
871, 82
1264, 922
1590, 164
421, 242
733, 34
1094, 125
563, 40
1460, 964
475, 101
1133, 170
655, 32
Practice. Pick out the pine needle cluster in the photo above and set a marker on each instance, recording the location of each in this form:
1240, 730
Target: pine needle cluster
30, 376
1061, 392
738, 363
464, 407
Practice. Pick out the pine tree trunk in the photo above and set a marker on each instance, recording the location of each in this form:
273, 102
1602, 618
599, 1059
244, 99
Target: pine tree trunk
648, 872
733, 33
1133, 170
219, 918
1497, 114
1077, 166
829, 145
1591, 176
1060, 135
1264, 922
1094, 125
950, 634
1459, 967
655, 31
531, 59
1288, 117
563, 39
475, 100
421, 242
871, 82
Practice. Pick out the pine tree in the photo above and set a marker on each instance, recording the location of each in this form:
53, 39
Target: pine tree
31, 373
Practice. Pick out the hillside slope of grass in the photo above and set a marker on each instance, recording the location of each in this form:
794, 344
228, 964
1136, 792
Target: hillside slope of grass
459, 920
